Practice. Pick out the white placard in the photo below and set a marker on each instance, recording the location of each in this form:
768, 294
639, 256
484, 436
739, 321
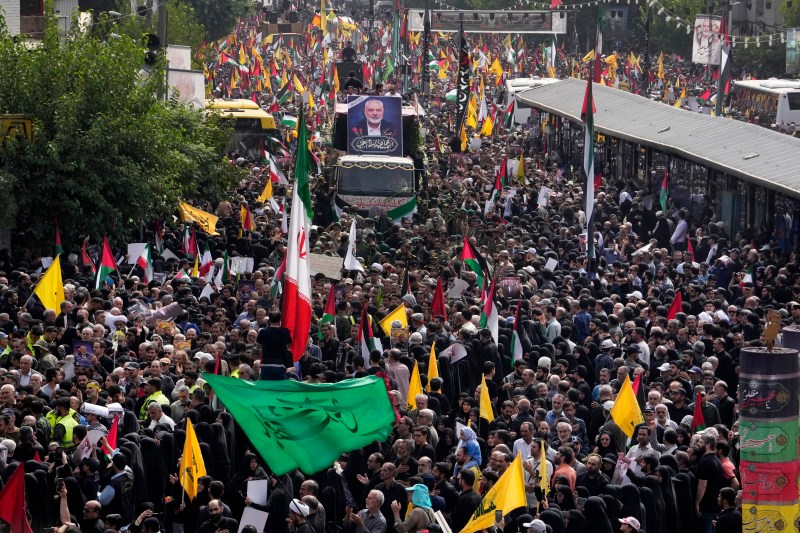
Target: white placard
551, 264
257, 490
331, 267
253, 517
168, 254
456, 352
135, 250
458, 288
544, 196
46, 262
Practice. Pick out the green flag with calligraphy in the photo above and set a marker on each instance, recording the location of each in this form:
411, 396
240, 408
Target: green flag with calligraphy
303, 425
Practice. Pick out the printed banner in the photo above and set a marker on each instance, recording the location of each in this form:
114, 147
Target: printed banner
706, 45
793, 51
772, 482
489, 21
374, 125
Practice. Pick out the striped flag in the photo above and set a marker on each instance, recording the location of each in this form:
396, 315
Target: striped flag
587, 115
489, 315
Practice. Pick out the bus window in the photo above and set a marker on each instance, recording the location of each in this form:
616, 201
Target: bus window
376, 181
794, 101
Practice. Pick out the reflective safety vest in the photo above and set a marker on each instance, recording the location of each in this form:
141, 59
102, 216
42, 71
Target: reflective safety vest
157, 397
68, 422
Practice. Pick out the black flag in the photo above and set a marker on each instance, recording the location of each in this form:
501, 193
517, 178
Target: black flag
463, 79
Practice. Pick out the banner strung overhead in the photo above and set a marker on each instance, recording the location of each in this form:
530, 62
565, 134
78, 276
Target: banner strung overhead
490, 21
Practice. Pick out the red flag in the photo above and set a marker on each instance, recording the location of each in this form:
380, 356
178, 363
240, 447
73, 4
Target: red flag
635, 384
36, 457
437, 305
698, 420
111, 440
12, 502
555, 3
598, 181
689, 247
676, 307
85, 259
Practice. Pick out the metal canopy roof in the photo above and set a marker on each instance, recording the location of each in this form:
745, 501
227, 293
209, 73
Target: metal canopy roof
747, 151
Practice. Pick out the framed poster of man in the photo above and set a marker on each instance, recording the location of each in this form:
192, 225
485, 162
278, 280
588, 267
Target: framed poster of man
374, 125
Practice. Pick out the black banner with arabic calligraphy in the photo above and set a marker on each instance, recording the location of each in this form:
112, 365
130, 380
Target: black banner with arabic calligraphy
463, 80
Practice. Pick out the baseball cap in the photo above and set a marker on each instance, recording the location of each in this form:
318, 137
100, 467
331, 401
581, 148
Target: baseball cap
695, 370
635, 294
3, 335
664, 367
607, 344
631, 521
131, 365
537, 525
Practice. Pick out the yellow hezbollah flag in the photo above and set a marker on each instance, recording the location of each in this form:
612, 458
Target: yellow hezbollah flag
588, 57
506, 495
297, 85
463, 137
626, 412
433, 367
196, 267
488, 127
50, 288
661, 66
414, 388
521, 170
398, 314
485, 402
266, 194
206, 221
544, 480
192, 467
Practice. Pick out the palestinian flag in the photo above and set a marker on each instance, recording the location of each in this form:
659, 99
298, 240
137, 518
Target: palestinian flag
58, 248
474, 262
698, 420
508, 118
85, 259
206, 265
330, 311
145, 262
664, 192
404, 211
498, 190
489, 315
182, 275
366, 339
748, 276
276, 288
516, 343
502, 172
284, 94
107, 265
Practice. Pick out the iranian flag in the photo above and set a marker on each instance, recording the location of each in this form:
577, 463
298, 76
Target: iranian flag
145, 261
107, 264
366, 339
473, 261
404, 211
330, 311
663, 194
206, 265
296, 304
516, 343
489, 316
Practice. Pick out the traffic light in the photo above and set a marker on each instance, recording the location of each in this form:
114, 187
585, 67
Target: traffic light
152, 43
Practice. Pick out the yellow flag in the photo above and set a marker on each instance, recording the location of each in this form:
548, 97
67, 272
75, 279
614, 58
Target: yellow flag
626, 412
463, 137
544, 479
335, 78
433, 367
192, 467
414, 388
485, 402
488, 127
661, 66
196, 268
310, 100
323, 19
50, 289
521, 170
588, 57
398, 314
506, 495
496, 69
297, 85
206, 221
266, 194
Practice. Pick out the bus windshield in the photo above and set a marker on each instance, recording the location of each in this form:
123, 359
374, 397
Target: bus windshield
396, 181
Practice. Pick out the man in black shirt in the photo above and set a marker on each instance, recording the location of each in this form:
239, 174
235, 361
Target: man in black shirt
216, 521
348, 52
276, 355
354, 83
709, 481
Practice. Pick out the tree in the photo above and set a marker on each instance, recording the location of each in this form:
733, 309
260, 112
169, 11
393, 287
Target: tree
108, 156
220, 16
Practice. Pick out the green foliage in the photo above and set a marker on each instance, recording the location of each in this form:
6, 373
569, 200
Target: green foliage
107, 156
220, 16
791, 15
763, 61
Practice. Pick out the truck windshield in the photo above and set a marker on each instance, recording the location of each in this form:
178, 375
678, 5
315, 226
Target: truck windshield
376, 181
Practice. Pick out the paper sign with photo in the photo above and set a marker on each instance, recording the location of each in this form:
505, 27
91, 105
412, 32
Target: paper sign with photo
82, 350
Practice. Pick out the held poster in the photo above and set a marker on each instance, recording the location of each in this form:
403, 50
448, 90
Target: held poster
374, 125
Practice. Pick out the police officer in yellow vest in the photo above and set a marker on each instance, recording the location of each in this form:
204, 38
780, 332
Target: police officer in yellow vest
63, 420
152, 391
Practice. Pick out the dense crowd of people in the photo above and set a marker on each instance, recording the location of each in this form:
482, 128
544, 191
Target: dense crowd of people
586, 327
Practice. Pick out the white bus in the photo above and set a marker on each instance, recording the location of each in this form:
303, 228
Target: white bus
513, 87
773, 100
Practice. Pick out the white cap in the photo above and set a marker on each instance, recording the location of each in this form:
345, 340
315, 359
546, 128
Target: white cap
631, 521
203, 356
664, 367
635, 294
608, 405
607, 344
537, 525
